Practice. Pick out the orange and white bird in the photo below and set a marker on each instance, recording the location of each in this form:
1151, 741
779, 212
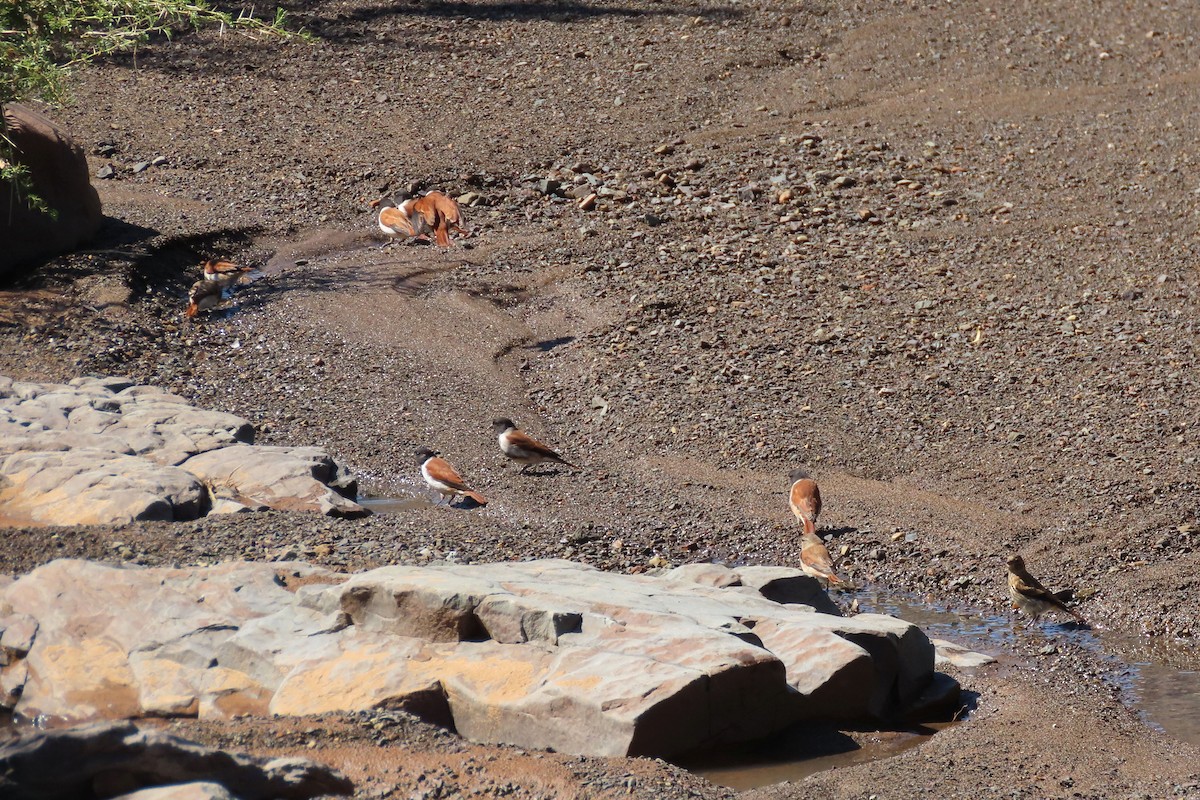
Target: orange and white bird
804, 498
225, 273
815, 559
523, 448
433, 213
1030, 596
203, 296
438, 473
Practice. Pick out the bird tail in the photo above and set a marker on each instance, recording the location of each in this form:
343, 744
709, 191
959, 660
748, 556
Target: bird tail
566, 463
440, 230
477, 497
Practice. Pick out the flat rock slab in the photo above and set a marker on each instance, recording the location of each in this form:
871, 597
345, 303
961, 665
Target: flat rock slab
539, 654
955, 655
106, 451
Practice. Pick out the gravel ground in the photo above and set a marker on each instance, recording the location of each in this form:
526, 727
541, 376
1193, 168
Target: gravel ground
943, 258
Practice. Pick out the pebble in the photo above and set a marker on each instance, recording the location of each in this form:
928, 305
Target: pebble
105, 172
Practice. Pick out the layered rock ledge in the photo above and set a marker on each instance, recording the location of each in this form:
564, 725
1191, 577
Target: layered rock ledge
106, 451
539, 654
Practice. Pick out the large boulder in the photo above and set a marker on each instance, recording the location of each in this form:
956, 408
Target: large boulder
111, 759
103, 450
539, 654
59, 173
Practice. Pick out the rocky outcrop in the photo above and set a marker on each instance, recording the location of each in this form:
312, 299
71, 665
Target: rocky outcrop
103, 450
540, 654
59, 173
118, 759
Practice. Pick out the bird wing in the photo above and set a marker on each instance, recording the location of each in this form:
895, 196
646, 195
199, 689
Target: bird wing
816, 556
1027, 586
805, 502
397, 220
226, 268
447, 206
203, 289
440, 470
524, 441
427, 207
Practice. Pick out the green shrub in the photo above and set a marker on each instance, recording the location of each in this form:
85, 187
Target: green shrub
41, 41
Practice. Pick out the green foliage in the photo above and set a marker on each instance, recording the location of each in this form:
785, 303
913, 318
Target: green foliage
41, 41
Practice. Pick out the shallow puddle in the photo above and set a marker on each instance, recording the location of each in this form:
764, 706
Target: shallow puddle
393, 505
1147, 670
776, 761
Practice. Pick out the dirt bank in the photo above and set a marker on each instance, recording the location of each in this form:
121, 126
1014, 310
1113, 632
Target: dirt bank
943, 257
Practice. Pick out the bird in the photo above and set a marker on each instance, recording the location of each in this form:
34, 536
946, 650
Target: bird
815, 559
226, 273
1030, 596
523, 448
438, 473
434, 213
399, 221
804, 498
203, 296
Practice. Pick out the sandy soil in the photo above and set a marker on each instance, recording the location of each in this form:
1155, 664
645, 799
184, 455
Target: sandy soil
943, 256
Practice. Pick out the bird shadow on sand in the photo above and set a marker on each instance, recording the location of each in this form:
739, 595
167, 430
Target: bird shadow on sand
836, 532
466, 504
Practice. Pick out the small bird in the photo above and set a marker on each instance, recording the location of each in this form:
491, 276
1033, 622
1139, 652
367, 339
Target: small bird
438, 473
1030, 596
399, 221
523, 448
815, 559
203, 296
226, 273
804, 499
434, 213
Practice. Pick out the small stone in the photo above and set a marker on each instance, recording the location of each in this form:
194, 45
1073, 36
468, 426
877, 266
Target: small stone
664, 150
654, 221
141, 166
785, 196
588, 203
549, 186
105, 172
865, 214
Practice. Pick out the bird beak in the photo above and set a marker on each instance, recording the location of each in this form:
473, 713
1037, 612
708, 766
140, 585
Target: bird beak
192, 310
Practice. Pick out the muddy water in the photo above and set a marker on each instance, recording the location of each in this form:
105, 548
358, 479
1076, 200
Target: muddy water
1159, 678
1149, 672
394, 505
778, 761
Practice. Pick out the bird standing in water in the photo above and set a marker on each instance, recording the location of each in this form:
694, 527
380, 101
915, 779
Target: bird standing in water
438, 473
1030, 596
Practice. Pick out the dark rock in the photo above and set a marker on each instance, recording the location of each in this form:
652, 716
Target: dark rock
59, 173
107, 759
